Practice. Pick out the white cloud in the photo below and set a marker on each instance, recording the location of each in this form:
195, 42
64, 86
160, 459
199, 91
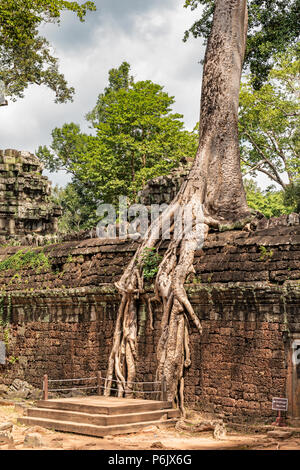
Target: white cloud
146, 34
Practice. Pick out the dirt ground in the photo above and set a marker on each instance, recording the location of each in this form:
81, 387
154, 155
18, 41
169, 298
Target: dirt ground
151, 438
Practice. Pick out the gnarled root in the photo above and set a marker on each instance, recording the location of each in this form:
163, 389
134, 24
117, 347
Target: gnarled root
173, 349
173, 353
217, 427
214, 188
189, 227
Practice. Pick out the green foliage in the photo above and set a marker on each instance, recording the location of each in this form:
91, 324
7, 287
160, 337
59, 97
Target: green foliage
269, 122
265, 254
25, 56
69, 146
137, 137
151, 261
6, 336
34, 259
118, 79
12, 359
292, 196
273, 26
270, 202
78, 208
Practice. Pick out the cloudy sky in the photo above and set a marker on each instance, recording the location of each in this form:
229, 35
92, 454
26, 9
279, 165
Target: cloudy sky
147, 34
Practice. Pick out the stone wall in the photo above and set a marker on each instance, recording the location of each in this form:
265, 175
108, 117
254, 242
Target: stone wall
163, 189
26, 211
245, 291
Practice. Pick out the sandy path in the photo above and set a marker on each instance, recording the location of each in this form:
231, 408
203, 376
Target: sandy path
152, 438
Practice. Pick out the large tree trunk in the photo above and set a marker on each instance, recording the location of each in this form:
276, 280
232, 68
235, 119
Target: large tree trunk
217, 166
213, 194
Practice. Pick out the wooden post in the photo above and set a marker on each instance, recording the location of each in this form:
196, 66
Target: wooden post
99, 382
45, 387
163, 389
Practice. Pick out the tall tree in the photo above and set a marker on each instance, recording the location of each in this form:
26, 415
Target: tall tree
273, 26
118, 79
137, 138
79, 211
271, 202
269, 122
213, 195
25, 56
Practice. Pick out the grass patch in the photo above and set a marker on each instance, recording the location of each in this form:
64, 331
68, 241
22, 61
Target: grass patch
34, 259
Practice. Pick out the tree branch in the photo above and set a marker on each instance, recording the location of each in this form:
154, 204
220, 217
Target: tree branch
252, 168
268, 161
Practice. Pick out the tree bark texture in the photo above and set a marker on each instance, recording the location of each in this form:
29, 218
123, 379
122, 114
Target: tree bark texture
213, 195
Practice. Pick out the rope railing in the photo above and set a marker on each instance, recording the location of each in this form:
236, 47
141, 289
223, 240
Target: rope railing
71, 380
73, 388
161, 392
119, 381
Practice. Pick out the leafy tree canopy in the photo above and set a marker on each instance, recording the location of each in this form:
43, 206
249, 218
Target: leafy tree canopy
271, 202
137, 137
25, 56
118, 79
292, 196
79, 210
273, 26
269, 122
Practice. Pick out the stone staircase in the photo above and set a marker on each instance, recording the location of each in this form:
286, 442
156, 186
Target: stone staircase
100, 416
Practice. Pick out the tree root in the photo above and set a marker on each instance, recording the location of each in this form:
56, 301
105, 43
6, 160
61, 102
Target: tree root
173, 352
216, 426
212, 196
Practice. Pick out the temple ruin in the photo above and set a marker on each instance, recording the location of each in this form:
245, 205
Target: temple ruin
60, 316
25, 205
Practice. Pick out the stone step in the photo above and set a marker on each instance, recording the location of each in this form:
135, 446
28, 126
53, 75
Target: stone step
104, 409
98, 419
90, 429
